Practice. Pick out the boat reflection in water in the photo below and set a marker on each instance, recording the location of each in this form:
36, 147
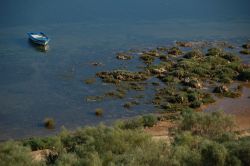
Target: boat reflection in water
38, 47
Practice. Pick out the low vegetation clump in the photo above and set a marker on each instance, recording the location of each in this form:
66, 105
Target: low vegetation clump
226, 92
148, 59
244, 75
49, 123
116, 94
123, 56
245, 51
99, 112
122, 75
90, 81
174, 51
193, 54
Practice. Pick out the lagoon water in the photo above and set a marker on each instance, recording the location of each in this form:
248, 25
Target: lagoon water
35, 84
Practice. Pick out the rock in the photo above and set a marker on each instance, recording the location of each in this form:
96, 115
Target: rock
96, 64
244, 75
122, 75
184, 44
174, 51
193, 82
43, 155
246, 46
153, 53
221, 89
193, 54
158, 70
123, 56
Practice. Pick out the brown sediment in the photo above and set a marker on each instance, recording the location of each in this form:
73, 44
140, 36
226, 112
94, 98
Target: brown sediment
239, 107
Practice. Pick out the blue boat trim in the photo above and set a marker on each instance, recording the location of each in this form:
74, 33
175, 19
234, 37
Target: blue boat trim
43, 40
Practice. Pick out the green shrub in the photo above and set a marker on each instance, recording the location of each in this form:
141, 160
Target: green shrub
14, 154
211, 125
132, 123
213, 154
113, 146
185, 150
240, 150
52, 142
68, 159
149, 120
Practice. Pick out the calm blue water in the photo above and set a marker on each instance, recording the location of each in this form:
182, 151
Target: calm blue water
35, 85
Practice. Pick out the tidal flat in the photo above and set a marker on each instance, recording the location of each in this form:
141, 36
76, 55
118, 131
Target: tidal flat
187, 75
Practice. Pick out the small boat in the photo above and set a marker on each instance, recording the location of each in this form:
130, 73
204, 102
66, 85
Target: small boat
38, 38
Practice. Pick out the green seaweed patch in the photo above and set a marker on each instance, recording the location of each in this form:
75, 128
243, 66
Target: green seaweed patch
136, 86
164, 58
192, 82
244, 75
214, 52
141, 96
147, 59
94, 98
224, 91
175, 51
231, 57
127, 86
116, 94
90, 81
153, 53
245, 51
168, 79
193, 54
123, 56
173, 99
122, 75
130, 104
162, 49
160, 68
155, 83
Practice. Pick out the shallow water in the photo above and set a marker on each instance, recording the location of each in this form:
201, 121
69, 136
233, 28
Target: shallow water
36, 84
